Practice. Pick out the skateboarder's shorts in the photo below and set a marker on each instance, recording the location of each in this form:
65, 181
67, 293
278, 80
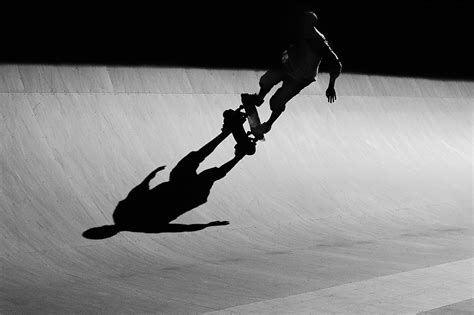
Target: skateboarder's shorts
290, 87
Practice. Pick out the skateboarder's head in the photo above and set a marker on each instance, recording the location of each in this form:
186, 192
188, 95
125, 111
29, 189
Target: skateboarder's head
308, 21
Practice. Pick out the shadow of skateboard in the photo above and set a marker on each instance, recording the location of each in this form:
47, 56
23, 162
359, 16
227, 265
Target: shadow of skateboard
234, 122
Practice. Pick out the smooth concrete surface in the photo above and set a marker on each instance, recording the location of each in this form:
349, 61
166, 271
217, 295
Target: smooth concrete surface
402, 293
463, 307
377, 185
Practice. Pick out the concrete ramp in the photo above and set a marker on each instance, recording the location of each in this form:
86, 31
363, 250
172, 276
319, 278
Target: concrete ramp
375, 185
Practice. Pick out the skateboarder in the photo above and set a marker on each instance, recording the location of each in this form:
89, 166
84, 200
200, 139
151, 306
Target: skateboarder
299, 67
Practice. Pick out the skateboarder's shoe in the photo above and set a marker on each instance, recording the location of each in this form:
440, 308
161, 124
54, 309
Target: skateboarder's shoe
227, 125
251, 99
260, 130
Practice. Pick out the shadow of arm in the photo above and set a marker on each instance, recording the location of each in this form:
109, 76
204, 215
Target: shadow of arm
146, 181
174, 228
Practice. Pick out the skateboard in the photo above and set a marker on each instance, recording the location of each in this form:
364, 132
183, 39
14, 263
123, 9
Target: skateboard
234, 120
253, 119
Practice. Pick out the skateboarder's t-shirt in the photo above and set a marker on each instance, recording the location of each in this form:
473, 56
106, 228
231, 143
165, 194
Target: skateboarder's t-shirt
301, 60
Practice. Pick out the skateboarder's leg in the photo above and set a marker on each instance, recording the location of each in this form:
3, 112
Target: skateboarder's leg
278, 101
268, 80
271, 78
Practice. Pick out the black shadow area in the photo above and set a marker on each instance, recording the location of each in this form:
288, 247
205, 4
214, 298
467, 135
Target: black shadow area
148, 210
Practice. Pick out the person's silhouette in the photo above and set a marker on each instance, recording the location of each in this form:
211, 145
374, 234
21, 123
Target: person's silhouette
151, 210
298, 68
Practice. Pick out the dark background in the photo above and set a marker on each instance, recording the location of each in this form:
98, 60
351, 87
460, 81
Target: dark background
421, 38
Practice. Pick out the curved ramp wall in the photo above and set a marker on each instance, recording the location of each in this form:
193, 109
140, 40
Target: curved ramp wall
377, 183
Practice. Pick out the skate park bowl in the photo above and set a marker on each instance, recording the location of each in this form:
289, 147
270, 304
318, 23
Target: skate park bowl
362, 206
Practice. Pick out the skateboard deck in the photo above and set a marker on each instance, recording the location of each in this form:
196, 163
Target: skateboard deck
253, 119
234, 120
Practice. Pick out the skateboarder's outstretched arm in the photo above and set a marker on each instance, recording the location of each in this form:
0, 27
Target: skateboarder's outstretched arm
146, 181
335, 68
321, 47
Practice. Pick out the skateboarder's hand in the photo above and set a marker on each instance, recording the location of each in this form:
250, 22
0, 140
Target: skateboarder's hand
331, 94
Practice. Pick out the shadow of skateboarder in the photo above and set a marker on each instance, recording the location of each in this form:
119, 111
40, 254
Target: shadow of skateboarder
148, 210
